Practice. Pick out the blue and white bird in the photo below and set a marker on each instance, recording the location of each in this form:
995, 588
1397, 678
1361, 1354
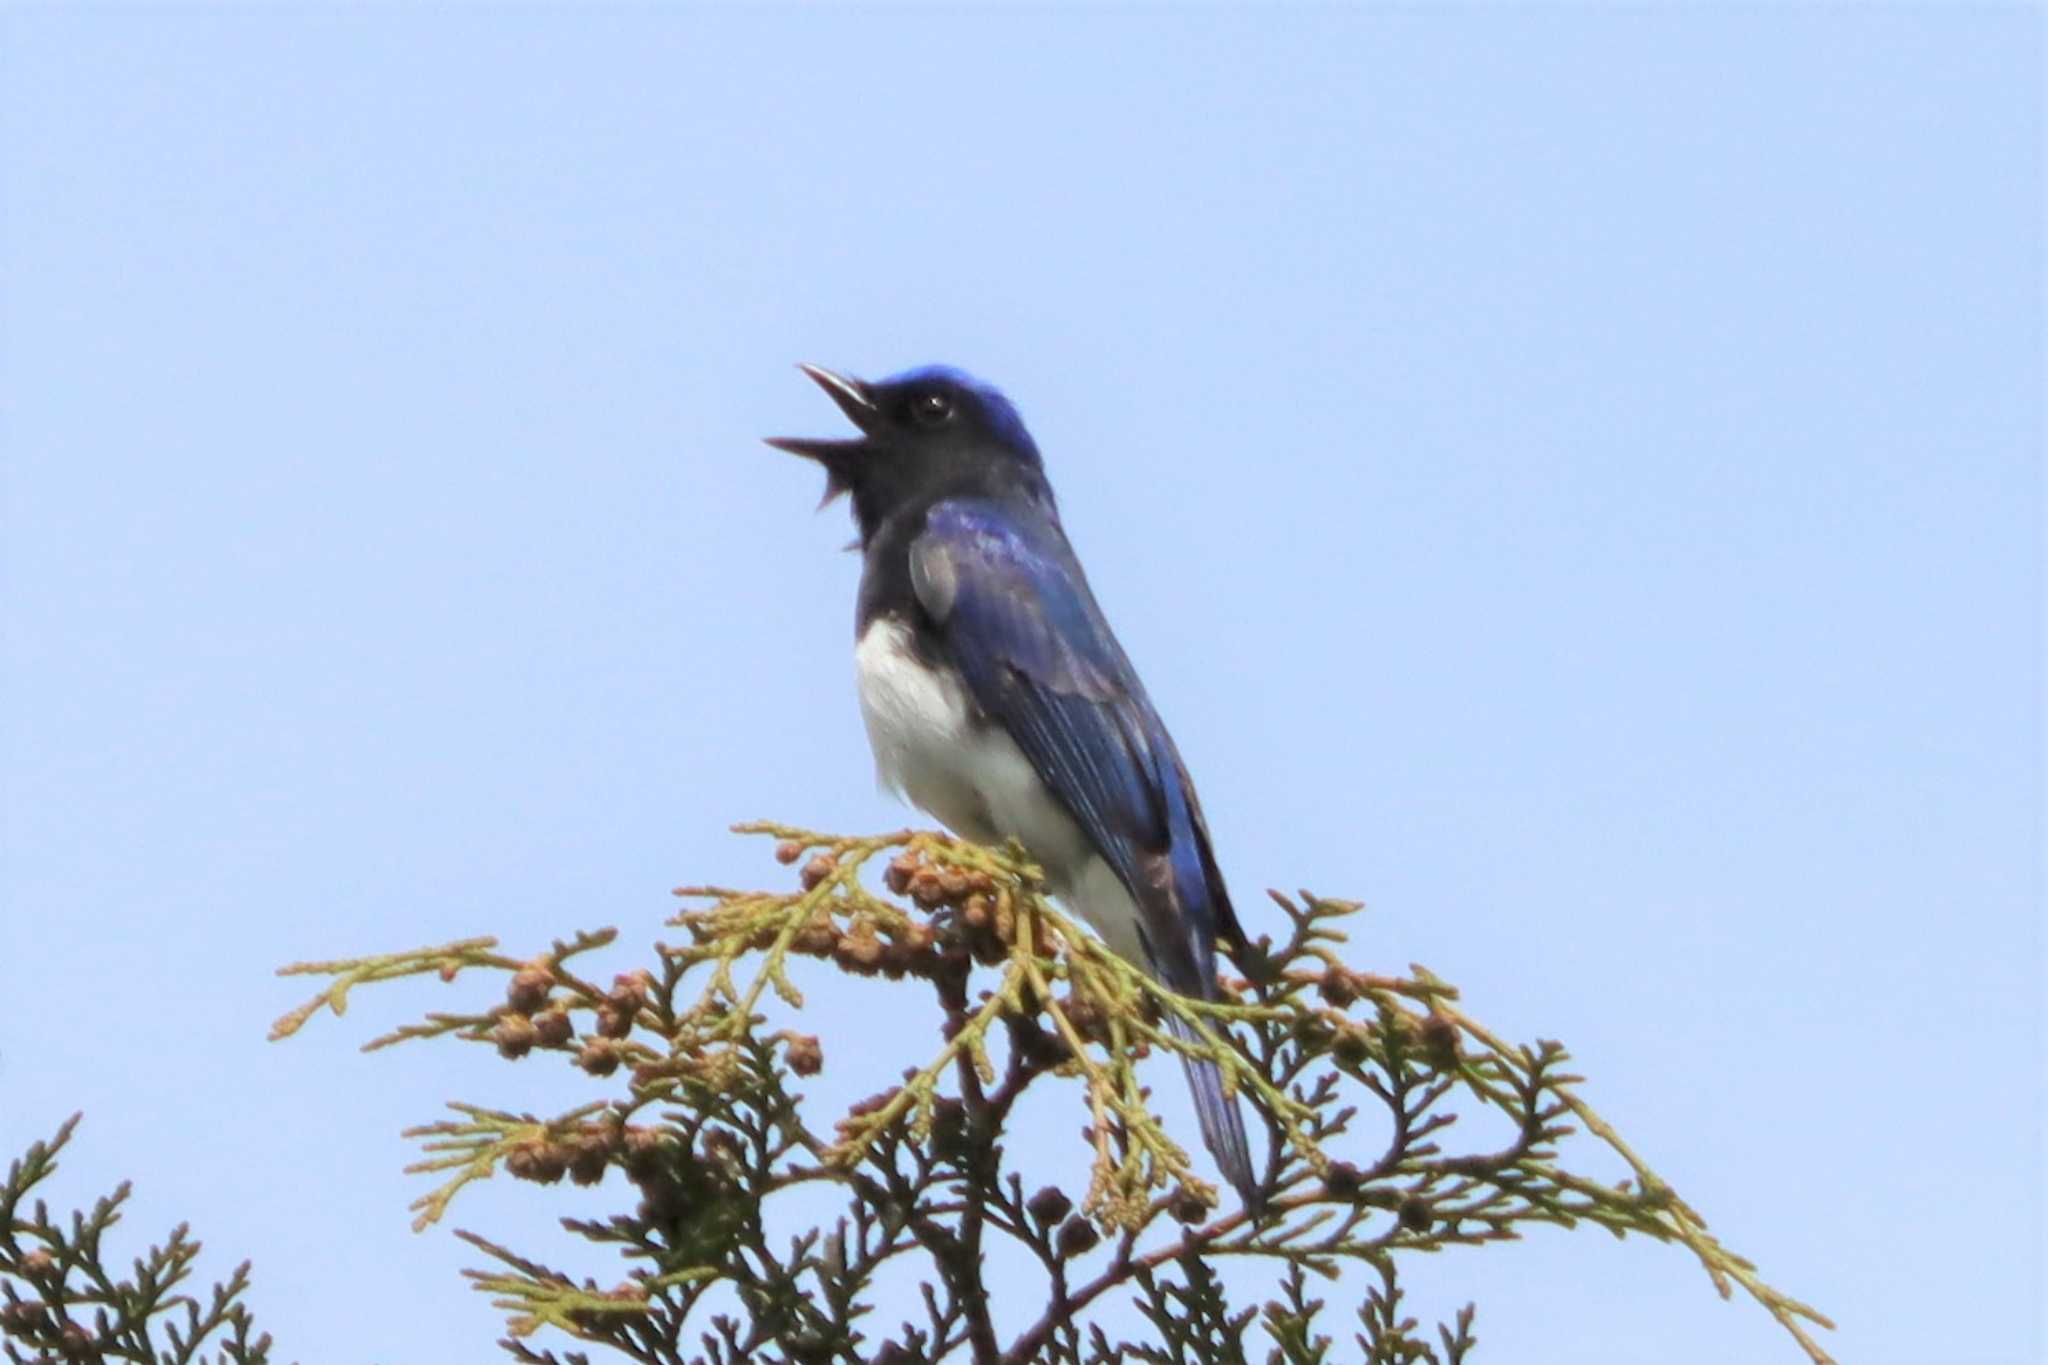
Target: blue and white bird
998, 700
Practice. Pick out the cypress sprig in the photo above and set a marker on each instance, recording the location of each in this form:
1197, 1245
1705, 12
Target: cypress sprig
710, 1130
62, 1300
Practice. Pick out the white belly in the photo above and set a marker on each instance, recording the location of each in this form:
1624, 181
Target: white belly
975, 779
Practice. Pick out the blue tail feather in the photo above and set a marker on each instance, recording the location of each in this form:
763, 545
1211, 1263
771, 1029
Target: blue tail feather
1222, 1123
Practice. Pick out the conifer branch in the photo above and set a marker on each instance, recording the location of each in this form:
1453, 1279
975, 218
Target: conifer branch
709, 1130
60, 1300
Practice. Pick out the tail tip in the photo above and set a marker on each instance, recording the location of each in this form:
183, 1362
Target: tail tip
1254, 1198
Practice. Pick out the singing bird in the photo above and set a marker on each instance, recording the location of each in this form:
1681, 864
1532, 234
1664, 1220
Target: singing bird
998, 700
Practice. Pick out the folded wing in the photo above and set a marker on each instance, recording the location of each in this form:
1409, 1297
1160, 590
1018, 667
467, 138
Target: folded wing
1015, 614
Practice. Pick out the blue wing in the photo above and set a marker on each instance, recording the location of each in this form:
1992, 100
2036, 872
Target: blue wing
1016, 617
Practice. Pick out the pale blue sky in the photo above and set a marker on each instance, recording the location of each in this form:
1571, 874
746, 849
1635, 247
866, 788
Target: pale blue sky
1570, 477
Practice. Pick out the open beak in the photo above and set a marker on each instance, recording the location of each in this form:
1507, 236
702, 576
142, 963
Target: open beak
850, 394
852, 397
838, 456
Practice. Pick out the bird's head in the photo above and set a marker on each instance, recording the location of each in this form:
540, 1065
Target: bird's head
926, 434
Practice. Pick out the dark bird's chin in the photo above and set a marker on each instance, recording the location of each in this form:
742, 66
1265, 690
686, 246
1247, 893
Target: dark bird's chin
837, 458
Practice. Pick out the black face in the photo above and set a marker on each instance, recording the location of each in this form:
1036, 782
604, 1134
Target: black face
925, 434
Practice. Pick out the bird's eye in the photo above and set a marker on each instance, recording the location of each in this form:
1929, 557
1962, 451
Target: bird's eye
931, 409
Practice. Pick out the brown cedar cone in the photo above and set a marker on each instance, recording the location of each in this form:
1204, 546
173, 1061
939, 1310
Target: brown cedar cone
1050, 1205
529, 988
514, 1035
804, 1055
1188, 1207
1338, 986
630, 989
859, 950
1087, 1018
1077, 1236
949, 1125
552, 1027
536, 1160
22, 1319
1440, 1039
928, 888
1352, 1046
642, 1151
588, 1159
818, 936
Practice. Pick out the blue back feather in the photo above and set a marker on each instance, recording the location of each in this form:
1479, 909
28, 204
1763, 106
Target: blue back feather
1015, 614
1027, 635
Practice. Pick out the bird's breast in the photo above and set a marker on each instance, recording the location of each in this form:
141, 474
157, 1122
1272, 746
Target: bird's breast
932, 745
